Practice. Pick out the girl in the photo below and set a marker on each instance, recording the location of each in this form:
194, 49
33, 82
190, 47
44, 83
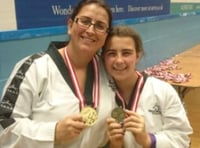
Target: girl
154, 114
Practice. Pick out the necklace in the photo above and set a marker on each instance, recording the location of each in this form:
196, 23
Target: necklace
96, 83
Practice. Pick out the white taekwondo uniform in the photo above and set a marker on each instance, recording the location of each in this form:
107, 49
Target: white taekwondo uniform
164, 115
37, 95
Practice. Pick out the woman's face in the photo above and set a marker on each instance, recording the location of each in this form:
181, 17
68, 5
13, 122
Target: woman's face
87, 39
120, 58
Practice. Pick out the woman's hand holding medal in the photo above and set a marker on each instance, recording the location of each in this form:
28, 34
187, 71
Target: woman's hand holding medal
69, 128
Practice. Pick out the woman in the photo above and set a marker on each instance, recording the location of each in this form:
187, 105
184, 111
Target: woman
57, 98
152, 115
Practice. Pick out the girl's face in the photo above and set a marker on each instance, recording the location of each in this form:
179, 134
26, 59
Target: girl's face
120, 58
88, 40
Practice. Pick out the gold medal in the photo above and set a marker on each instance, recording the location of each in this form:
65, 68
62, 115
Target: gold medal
118, 114
89, 115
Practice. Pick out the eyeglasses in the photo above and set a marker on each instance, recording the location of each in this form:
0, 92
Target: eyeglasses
86, 22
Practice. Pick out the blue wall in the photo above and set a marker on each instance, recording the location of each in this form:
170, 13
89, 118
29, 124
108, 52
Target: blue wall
162, 39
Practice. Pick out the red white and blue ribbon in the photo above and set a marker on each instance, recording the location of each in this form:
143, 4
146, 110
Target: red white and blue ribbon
96, 83
135, 98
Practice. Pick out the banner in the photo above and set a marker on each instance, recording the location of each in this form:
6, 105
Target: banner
46, 13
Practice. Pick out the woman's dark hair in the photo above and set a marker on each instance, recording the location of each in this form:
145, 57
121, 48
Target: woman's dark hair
100, 3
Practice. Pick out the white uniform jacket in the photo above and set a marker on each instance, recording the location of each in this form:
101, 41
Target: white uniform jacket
164, 115
37, 95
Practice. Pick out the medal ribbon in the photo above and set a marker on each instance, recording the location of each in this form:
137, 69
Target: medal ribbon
136, 95
96, 82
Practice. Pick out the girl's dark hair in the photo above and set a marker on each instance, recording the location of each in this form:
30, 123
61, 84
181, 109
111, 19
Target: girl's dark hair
100, 3
126, 31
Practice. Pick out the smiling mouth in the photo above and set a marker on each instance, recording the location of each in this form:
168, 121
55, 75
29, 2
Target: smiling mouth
87, 39
119, 69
